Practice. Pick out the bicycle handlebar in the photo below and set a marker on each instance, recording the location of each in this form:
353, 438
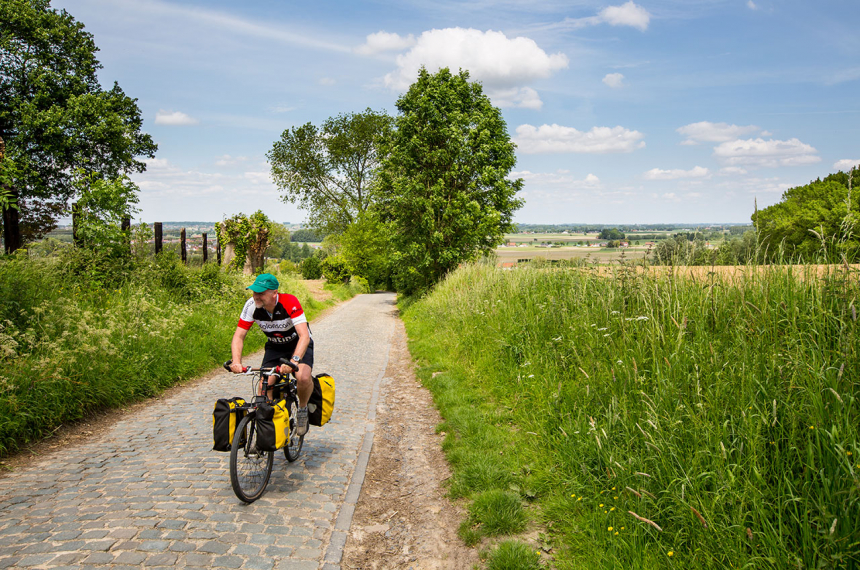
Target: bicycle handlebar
274, 369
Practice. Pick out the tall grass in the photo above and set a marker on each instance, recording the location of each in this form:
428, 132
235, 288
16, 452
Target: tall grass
79, 334
659, 421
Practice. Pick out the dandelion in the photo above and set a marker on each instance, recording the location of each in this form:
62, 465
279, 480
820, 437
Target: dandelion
613, 488
605, 512
670, 553
850, 454
609, 529
600, 505
811, 427
615, 497
612, 509
622, 528
580, 498
573, 495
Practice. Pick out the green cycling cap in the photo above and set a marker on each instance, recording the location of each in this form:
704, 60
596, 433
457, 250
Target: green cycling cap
264, 282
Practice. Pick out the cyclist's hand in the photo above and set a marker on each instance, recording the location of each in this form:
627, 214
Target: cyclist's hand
236, 367
284, 369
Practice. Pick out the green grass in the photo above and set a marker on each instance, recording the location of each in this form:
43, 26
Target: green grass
512, 555
656, 395
78, 334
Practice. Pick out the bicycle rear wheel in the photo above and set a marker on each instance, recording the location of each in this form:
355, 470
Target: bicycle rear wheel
250, 468
294, 445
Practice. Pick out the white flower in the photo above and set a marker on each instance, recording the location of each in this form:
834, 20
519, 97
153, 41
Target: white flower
614, 313
604, 329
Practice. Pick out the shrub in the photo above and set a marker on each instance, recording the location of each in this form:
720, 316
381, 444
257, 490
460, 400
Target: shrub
311, 268
335, 270
513, 555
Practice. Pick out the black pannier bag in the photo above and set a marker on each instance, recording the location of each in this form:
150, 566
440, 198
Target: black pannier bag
225, 418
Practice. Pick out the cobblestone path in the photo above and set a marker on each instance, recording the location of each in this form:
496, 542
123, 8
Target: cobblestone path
150, 492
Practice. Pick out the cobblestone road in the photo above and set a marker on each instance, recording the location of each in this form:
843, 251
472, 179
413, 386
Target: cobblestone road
150, 492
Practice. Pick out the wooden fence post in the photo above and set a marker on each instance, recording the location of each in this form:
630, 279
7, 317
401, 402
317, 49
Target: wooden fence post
205, 249
11, 229
183, 252
76, 222
157, 226
218, 251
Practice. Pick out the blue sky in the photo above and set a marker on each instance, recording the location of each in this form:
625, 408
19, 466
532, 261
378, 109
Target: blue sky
623, 112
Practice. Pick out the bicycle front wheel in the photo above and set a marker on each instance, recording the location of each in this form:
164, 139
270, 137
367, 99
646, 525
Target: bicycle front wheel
294, 445
250, 468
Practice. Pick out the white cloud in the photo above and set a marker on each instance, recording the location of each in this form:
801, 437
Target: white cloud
614, 80
523, 97
557, 139
658, 174
628, 14
846, 164
383, 41
706, 131
491, 57
560, 177
228, 160
751, 5
167, 180
282, 109
732, 171
766, 153
176, 118
327, 81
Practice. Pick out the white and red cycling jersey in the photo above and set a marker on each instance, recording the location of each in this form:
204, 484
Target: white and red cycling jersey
279, 326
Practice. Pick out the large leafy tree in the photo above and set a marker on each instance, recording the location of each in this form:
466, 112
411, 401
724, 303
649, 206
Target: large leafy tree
448, 196
331, 171
817, 221
55, 118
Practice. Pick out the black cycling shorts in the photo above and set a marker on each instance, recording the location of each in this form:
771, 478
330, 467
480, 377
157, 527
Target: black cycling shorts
274, 354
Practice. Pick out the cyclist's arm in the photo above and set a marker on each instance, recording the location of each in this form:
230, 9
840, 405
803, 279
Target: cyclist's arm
236, 347
304, 340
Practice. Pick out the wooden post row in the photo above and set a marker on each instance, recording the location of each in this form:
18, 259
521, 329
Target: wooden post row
183, 251
157, 226
205, 249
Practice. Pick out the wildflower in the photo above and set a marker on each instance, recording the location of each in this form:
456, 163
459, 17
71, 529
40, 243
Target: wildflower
615, 497
573, 495
580, 498
670, 553
605, 512
622, 528
604, 329
811, 427
609, 529
616, 533
612, 509
601, 505
613, 488
849, 454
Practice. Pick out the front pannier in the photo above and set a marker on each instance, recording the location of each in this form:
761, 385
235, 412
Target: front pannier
273, 426
321, 402
225, 418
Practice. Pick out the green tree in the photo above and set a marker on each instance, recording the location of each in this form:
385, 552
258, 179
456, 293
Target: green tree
311, 267
103, 205
331, 171
55, 118
279, 242
448, 198
611, 234
366, 248
814, 221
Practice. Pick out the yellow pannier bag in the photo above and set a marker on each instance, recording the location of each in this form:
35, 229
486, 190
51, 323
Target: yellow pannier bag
225, 418
273, 426
321, 403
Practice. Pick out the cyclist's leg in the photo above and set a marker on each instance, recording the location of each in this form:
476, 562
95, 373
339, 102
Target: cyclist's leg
272, 357
305, 383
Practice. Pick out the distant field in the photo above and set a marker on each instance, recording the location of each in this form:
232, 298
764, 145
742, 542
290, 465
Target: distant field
597, 254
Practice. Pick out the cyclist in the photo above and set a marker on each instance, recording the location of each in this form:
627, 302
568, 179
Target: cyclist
282, 320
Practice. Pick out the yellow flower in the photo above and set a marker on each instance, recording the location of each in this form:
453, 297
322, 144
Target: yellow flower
573, 495
616, 498
613, 488
609, 529
622, 528
600, 505
612, 509
605, 512
850, 454
579, 499
811, 427
670, 553
616, 533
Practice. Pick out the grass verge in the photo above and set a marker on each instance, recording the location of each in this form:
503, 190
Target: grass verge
658, 422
